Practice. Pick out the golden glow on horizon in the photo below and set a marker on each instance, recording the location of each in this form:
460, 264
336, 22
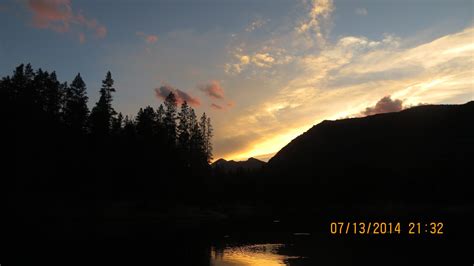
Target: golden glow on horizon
269, 146
440, 71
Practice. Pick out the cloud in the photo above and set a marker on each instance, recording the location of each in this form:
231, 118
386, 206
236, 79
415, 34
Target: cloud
149, 38
257, 60
258, 23
263, 60
307, 33
244, 59
361, 11
58, 15
222, 107
216, 106
384, 105
319, 13
101, 31
181, 96
213, 89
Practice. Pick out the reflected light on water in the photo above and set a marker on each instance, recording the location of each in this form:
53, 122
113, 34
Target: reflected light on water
251, 255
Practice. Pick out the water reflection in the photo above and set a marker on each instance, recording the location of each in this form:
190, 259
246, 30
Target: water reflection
250, 255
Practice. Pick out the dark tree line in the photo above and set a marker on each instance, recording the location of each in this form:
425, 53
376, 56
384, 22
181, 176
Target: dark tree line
40, 91
61, 149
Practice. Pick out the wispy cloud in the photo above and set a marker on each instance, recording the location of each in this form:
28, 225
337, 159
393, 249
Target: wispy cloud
216, 106
256, 24
163, 91
319, 13
308, 32
149, 38
59, 16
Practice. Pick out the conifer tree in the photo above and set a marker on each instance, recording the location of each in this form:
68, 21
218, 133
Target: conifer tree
183, 129
207, 141
52, 95
117, 125
159, 121
75, 109
196, 138
145, 121
102, 113
170, 118
206, 129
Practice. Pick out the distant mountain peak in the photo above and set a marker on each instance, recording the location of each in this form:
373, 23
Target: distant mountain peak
232, 165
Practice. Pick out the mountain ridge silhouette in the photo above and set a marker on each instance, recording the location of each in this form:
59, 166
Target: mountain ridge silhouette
232, 165
424, 151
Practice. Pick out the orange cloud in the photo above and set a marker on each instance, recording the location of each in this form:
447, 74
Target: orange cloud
58, 15
181, 96
149, 38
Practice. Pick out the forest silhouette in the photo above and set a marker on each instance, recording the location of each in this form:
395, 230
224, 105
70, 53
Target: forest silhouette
67, 159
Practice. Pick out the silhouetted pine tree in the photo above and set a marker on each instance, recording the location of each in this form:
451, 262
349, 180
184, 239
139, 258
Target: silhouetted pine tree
75, 109
22, 85
117, 125
184, 127
29, 93
159, 123
129, 131
196, 140
145, 121
6, 99
170, 119
102, 113
206, 129
53, 96
18, 81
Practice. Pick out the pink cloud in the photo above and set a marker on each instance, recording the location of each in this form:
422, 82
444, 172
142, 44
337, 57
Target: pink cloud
222, 107
149, 38
58, 15
181, 96
384, 105
51, 13
216, 106
213, 89
101, 31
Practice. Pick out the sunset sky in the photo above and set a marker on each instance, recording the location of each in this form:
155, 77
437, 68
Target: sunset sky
265, 71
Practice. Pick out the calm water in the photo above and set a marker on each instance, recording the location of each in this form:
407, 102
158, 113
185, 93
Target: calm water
252, 255
310, 250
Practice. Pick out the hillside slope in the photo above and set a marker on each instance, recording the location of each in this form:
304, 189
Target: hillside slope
418, 152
